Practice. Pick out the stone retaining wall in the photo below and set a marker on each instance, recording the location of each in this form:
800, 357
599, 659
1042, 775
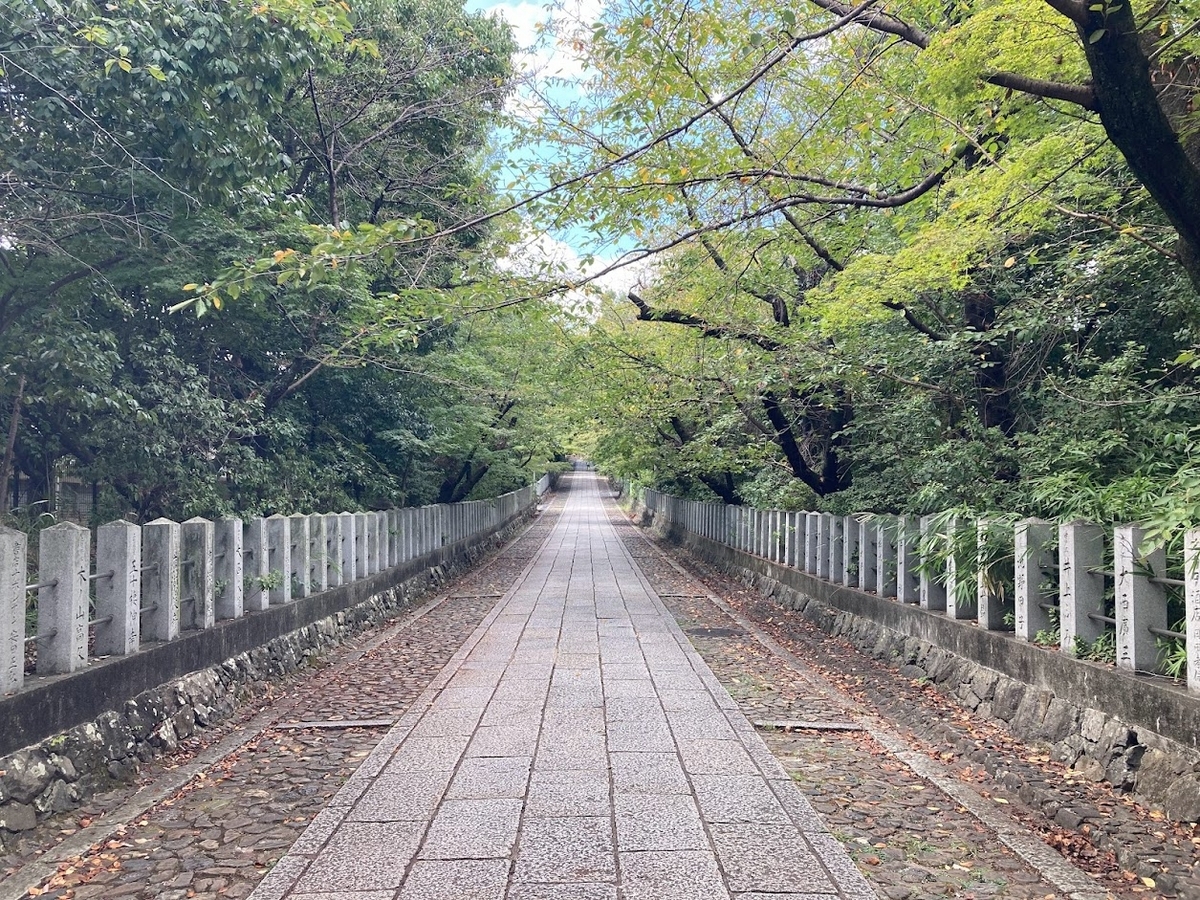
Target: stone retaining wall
1138, 734
57, 773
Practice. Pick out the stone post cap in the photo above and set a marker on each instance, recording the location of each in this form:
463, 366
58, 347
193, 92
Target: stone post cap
66, 526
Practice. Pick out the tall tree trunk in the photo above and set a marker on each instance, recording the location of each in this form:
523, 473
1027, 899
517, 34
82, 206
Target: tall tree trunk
6, 468
1137, 124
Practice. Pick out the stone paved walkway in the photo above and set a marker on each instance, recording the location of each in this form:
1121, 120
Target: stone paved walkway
575, 748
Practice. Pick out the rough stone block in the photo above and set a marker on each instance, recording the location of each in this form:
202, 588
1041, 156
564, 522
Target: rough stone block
17, 817
1182, 801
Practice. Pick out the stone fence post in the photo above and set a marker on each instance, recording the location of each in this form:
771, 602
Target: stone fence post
160, 580
118, 588
279, 559
850, 557
1191, 600
362, 545
62, 621
196, 575
812, 542
408, 534
1080, 584
933, 589
229, 568
837, 549
298, 570
1141, 600
333, 550
959, 533
13, 549
824, 537
868, 555
887, 540
318, 546
383, 541
908, 558
395, 535
256, 565
988, 600
1033, 561
349, 551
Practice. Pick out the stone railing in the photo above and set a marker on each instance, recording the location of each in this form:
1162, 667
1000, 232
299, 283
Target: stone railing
151, 582
1071, 586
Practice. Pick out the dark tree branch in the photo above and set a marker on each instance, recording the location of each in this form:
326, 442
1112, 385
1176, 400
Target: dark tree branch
912, 320
786, 440
1083, 95
678, 317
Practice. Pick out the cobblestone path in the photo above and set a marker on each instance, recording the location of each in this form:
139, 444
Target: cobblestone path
575, 748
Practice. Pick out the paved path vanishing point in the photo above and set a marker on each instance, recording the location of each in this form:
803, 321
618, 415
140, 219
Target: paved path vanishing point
575, 748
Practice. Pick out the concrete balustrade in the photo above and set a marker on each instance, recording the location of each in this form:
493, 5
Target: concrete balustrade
962, 574
152, 581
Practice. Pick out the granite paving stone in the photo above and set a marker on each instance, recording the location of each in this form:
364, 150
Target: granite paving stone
473, 829
567, 849
363, 856
737, 798
768, 858
658, 822
491, 777
665, 875
569, 792
404, 797
522, 891
456, 879
648, 773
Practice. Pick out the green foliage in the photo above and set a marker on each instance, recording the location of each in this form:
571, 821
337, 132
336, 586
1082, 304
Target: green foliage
226, 148
1103, 649
1173, 657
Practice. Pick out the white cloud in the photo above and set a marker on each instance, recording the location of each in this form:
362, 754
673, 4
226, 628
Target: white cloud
547, 38
539, 252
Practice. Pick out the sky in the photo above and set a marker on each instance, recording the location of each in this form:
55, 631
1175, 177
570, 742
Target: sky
543, 57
